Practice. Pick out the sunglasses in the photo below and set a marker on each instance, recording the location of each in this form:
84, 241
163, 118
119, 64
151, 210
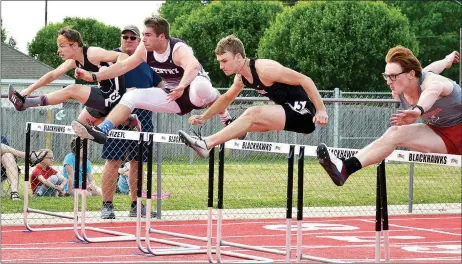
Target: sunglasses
130, 37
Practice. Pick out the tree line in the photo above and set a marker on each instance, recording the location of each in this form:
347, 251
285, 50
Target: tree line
337, 43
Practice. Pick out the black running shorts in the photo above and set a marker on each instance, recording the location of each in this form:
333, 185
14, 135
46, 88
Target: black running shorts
99, 103
299, 119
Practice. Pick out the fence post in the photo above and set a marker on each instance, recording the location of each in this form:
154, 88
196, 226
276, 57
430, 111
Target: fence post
48, 135
336, 117
411, 188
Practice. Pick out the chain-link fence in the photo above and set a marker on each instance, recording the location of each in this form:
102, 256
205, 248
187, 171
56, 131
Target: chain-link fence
255, 182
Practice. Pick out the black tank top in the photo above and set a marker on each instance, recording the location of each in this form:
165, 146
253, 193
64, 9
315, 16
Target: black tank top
107, 86
280, 93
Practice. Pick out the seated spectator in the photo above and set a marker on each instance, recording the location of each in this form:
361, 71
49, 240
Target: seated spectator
46, 181
122, 181
9, 166
68, 172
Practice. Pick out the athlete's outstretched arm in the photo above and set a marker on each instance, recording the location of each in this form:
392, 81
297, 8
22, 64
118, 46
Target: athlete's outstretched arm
97, 55
50, 76
184, 57
220, 104
446, 63
115, 69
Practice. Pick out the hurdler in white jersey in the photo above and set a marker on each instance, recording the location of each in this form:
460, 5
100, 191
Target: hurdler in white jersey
187, 85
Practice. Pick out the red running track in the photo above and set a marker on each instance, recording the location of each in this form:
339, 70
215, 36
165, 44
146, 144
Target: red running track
413, 239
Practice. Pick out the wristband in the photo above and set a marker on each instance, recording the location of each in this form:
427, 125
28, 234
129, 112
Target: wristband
422, 111
93, 75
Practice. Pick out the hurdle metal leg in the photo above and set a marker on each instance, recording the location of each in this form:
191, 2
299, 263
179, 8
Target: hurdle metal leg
220, 242
378, 218
381, 217
182, 248
300, 192
28, 210
119, 236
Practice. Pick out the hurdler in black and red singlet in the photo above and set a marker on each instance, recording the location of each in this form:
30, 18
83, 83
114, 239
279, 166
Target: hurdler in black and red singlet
297, 105
109, 92
171, 74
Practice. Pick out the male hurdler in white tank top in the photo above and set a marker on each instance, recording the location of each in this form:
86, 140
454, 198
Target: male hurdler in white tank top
187, 85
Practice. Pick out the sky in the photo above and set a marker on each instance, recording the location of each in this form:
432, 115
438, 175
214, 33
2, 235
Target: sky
23, 19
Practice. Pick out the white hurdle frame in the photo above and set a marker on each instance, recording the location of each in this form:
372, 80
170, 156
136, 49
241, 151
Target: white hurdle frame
187, 249
117, 236
397, 155
182, 248
287, 253
40, 127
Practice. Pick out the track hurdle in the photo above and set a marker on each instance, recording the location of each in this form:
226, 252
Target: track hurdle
279, 148
78, 222
300, 192
188, 249
182, 248
35, 127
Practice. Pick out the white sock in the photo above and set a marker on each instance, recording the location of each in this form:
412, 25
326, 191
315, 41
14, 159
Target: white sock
337, 162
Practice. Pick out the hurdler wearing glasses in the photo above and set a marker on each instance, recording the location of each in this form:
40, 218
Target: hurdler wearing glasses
422, 93
98, 101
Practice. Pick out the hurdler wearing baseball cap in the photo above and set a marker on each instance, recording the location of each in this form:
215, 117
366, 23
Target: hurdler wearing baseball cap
131, 28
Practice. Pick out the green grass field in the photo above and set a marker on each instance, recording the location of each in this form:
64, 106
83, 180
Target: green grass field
263, 184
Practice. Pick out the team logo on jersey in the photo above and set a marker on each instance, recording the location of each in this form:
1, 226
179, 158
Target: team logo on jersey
300, 107
167, 71
433, 115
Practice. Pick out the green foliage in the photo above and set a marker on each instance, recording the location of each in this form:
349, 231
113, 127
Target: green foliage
94, 33
3, 32
436, 25
289, 2
172, 9
3, 35
337, 44
203, 28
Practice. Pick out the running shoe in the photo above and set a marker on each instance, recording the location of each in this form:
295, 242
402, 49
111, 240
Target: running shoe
332, 165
